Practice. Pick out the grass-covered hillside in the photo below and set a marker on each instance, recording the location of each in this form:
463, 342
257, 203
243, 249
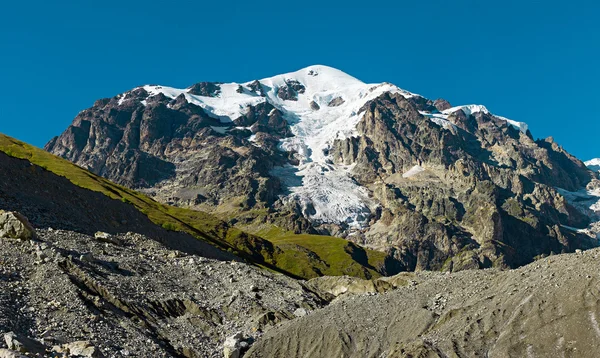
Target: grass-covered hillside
304, 256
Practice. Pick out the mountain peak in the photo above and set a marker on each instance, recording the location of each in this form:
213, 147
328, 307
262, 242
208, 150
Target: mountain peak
319, 75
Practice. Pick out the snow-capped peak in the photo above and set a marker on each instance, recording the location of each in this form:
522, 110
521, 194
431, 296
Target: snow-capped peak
321, 104
317, 77
593, 164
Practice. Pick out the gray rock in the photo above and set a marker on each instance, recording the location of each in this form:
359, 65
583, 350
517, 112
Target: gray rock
79, 349
7, 353
87, 257
300, 312
15, 225
106, 237
232, 346
337, 101
23, 344
441, 104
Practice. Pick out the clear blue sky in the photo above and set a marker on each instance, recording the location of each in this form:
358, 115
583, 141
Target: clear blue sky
533, 61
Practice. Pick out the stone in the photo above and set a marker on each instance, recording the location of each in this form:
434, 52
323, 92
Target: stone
300, 312
106, 237
232, 346
16, 226
79, 349
337, 101
87, 257
41, 255
23, 344
7, 353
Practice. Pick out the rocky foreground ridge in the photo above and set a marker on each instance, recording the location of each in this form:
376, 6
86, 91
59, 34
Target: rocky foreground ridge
317, 151
549, 308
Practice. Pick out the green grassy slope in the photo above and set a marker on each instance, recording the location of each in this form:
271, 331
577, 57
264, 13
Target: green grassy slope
302, 256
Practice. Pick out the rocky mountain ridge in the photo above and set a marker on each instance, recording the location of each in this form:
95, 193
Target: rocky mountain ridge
318, 151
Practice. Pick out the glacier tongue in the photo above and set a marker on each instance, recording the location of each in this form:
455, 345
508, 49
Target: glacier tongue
327, 193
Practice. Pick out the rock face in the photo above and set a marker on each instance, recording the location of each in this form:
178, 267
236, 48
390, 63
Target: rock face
441, 104
546, 309
317, 151
477, 183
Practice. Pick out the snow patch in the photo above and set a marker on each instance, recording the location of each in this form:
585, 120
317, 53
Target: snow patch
122, 99
521, 126
221, 130
413, 171
439, 118
587, 202
468, 109
227, 106
593, 164
475, 108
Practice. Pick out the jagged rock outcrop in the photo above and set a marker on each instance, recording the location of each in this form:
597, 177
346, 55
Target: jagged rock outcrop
441, 104
483, 194
290, 91
174, 149
207, 89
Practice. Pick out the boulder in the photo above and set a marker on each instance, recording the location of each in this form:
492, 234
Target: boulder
15, 225
78, 349
337, 101
106, 237
300, 312
7, 353
23, 344
206, 89
232, 348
